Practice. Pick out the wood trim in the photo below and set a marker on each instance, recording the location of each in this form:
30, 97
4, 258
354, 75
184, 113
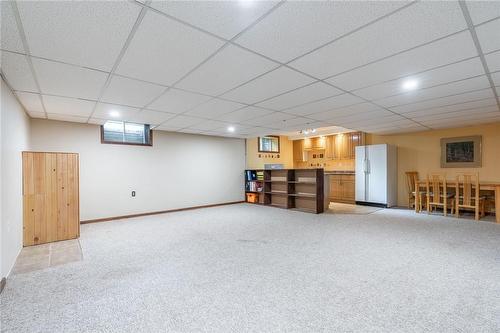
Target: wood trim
105, 219
3, 282
265, 151
150, 144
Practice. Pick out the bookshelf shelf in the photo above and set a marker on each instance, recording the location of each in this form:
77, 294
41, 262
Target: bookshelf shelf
296, 189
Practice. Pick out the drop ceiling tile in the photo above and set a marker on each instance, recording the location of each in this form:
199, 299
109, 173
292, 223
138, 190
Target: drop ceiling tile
97, 121
496, 78
167, 128
297, 27
214, 108
181, 121
11, 39
30, 101
420, 23
466, 120
493, 61
40, 115
229, 68
369, 117
69, 118
488, 36
456, 114
208, 125
130, 92
345, 111
177, 101
223, 18
87, 33
268, 119
67, 106
310, 93
438, 53
325, 105
481, 11
293, 123
444, 90
452, 108
190, 131
66, 80
439, 76
443, 101
150, 117
18, 72
105, 110
164, 50
244, 114
268, 85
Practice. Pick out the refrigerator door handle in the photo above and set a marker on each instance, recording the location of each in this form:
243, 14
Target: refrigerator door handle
366, 166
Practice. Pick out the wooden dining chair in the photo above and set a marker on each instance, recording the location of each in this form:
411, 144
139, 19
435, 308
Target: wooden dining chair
411, 184
467, 194
437, 194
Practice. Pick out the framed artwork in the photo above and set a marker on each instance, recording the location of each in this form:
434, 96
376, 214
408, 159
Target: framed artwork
461, 152
269, 144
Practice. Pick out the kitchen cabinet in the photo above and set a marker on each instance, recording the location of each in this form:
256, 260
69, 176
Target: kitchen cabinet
319, 143
307, 143
330, 147
342, 188
299, 155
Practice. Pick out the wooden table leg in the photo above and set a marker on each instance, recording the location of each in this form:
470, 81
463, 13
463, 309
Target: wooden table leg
497, 203
417, 197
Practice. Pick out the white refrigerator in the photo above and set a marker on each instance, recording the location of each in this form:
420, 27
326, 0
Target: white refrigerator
376, 175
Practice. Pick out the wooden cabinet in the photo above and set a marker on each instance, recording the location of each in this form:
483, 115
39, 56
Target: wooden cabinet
342, 188
307, 143
299, 155
319, 143
330, 147
51, 209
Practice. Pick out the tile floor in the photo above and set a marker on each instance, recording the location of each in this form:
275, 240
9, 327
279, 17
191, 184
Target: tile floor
34, 258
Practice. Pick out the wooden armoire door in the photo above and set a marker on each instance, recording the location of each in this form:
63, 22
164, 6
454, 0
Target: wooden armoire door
50, 197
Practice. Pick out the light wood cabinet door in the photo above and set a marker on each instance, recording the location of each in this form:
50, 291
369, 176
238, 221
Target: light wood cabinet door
348, 188
335, 188
298, 151
330, 147
50, 197
308, 144
319, 143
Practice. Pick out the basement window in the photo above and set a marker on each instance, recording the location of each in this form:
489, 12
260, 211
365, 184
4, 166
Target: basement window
124, 133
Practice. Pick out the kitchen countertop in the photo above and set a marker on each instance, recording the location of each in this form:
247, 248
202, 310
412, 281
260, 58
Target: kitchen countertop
340, 172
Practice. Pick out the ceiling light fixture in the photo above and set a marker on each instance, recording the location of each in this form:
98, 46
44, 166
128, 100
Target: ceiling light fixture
246, 3
114, 113
410, 85
231, 129
307, 131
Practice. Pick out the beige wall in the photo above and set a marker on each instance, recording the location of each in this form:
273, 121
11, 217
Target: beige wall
15, 137
180, 170
421, 152
256, 162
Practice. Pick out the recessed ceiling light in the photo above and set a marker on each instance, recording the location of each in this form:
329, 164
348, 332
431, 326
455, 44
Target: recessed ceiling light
231, 129
246, 3
114, 113
410, 85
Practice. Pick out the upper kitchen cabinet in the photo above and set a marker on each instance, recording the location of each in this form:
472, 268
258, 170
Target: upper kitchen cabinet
299, 154
318, 143
345, 144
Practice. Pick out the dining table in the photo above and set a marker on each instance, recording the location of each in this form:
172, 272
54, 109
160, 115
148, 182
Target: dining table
483, 186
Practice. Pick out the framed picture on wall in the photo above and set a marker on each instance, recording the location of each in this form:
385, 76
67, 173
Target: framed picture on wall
461, 152
269, 144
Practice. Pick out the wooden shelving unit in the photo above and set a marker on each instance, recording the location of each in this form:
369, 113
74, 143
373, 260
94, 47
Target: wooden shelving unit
297, 189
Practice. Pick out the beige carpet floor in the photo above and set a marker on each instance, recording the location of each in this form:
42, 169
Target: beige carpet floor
248, 268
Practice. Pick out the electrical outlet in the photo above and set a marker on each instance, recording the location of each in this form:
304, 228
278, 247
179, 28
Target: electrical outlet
133, 193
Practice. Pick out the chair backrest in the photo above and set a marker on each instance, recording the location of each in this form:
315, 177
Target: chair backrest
467, 188
436, 187
411, 179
